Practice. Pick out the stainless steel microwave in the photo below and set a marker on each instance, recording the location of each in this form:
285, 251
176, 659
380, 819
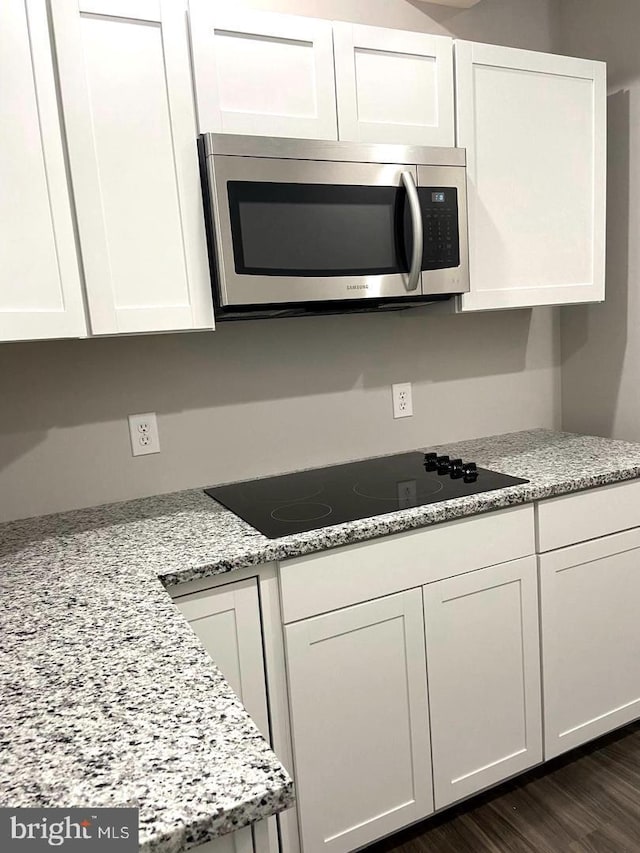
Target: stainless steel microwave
308, 225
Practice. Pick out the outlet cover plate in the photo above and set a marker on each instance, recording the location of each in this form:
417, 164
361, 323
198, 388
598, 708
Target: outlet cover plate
402, 400
143, 432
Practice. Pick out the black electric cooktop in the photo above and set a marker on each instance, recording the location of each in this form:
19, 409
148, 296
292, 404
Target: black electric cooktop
308, 500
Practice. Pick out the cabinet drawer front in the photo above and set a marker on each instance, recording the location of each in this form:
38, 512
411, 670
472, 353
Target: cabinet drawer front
318, 583
590, 639
588, 515
360, 719
483, 661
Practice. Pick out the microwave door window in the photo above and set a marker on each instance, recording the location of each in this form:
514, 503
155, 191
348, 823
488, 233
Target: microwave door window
317, 230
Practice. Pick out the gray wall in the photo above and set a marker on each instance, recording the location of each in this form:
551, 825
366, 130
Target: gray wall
601, 343
261, 397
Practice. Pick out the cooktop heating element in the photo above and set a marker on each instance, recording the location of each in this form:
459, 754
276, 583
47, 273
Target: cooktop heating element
308, 500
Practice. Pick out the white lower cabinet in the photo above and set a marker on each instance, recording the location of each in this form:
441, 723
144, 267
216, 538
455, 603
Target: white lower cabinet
360, 720
590, 639
226, 619
240, 841
483, 660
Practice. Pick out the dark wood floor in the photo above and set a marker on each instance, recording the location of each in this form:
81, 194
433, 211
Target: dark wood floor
585, 802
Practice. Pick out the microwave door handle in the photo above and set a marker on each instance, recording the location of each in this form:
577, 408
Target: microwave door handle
416, 222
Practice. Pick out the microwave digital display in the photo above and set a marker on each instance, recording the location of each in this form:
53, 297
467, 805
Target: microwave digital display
437, 197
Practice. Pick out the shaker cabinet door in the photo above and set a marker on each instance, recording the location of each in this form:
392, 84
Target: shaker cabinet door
360, 720
262, 73
483, 660
393, 86
240, 841
128, 111
534, 126
226, 620
590, 639
40, 289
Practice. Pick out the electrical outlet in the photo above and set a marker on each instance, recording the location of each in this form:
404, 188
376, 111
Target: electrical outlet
143, 431
402, 402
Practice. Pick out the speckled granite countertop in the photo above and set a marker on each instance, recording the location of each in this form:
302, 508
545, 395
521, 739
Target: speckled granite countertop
555, 463
107, 696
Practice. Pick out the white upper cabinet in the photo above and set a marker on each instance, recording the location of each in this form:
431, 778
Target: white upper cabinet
393, 86
534, 126
40, 290
128, 110
262, 73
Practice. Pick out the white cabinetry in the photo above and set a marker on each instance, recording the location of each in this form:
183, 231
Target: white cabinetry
40, 291
358, 673
130, 124
358, 693
483, 660
240, 841
590, 639
273, 75
570, 519
534, 126
393, 86
262, 73
226, 619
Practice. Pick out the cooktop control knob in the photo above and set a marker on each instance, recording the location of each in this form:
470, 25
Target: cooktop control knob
444, 464
457, 469
470, 472
430, 461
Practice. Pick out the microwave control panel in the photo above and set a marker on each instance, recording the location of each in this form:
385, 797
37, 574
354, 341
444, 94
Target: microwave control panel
439, 206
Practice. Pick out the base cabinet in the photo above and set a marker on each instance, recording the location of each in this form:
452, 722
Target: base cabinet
483, 660
590, 639
226, 619
360, 720
240, 841
430, 689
